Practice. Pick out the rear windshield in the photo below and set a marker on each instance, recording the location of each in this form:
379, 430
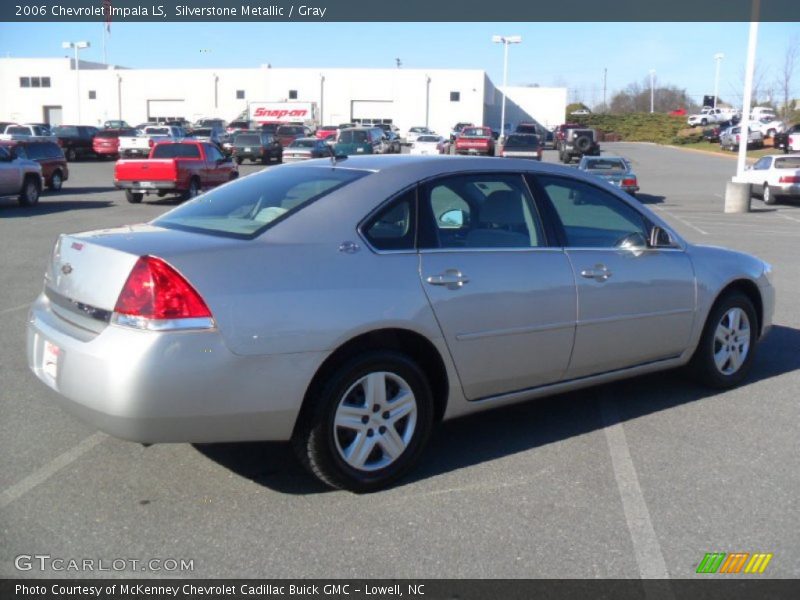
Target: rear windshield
428, 138
788, 162
248, 139
176, 151
204, 132
353, 137
475, 132
115, 134
606, 165
526, 129
65, 131
157, 131
522, 141
249, 206
303, 144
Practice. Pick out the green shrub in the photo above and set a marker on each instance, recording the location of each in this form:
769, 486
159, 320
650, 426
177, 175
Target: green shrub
637, 127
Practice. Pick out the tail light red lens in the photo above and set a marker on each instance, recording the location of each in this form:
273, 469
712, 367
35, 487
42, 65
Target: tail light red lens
789, 179
629, 181
155, 290
150, 143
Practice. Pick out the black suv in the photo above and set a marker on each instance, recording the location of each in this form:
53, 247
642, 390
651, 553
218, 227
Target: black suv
578, 142
256, 147
75, 140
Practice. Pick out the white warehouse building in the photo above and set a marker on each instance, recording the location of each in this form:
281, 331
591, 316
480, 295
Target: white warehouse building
51, 90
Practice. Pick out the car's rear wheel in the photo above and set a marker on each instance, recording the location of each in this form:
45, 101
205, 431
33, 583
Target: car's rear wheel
29, 196
133, 197
194, 189
368, 423
56, 181
725, 352
239, 160
767, 194
70, 154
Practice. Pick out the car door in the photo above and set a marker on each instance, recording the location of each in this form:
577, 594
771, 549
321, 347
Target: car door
636, 304
504, 298
217, 171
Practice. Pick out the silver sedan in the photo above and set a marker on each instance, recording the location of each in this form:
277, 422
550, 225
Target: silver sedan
349, 305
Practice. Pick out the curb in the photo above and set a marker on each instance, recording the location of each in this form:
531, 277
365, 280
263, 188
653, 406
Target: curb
733, 156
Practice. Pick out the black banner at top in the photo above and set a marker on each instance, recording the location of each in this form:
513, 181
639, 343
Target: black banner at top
400, 10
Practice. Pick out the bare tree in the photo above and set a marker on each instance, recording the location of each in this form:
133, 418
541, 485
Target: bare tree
786, 75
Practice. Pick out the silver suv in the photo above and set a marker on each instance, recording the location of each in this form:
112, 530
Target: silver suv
20, 177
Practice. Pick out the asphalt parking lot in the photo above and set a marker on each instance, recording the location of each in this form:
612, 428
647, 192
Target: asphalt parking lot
637, 478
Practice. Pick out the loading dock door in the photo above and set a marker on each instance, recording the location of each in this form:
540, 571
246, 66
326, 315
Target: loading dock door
52, 115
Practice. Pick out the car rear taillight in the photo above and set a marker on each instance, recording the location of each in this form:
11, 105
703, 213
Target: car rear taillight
789, 179
150, 142
155, 296
629, 181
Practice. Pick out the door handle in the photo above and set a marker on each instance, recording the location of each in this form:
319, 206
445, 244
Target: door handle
599, 273
452, 279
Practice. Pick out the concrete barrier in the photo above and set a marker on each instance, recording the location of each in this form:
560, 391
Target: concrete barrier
737, 197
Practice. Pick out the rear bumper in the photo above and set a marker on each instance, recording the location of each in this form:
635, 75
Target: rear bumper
785, 189
148, 186
531, 155
152, 387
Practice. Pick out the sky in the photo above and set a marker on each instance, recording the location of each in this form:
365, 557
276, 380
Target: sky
572, 55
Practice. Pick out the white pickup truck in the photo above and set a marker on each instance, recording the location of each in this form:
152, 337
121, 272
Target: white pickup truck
140, 145
712, 115
24, 132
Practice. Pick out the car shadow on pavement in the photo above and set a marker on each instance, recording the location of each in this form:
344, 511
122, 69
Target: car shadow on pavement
495, 434
80, 191
49, 205
649, 198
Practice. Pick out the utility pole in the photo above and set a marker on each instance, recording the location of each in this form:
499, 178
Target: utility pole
605, 81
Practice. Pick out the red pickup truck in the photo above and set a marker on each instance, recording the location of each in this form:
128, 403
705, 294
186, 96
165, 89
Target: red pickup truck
183, 168
475, 140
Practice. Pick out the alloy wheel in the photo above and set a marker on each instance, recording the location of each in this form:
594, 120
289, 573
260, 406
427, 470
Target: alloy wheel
731, 341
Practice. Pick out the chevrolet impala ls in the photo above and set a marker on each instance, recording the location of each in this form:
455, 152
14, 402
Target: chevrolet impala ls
349, 304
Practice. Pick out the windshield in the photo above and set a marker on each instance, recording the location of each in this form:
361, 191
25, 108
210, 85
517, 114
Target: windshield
353, 137
176, 151
248, 139
606, 164
249, 206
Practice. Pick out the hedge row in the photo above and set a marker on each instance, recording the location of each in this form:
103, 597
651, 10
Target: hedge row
640, 127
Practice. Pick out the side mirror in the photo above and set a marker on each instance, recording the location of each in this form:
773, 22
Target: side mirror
452, 219
661, 238
634, 242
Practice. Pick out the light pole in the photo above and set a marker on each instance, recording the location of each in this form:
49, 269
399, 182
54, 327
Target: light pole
427, 99
718, 58
321, 99
652, 90
77, 46
505, 40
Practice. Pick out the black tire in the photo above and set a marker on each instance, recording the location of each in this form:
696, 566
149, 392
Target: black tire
56, 181
239, 160
233, 175
583, 144
133, 197
767, 196
704, 122
279, 158
71, 155
703, 366
31, 189
194, 189
316, 440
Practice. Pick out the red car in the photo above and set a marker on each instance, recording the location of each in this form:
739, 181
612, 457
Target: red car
475, 140
106, 142
286, 134
678, 112
184, 168
326, 132
48, 154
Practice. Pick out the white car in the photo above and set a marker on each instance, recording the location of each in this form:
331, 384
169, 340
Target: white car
762, 112
769, 126
426, 144
414, 132
711, 115
775, 176
581, 112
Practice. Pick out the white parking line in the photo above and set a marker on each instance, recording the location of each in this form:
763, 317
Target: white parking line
645, 543
14, 308
789, 218
64, 459
665, 211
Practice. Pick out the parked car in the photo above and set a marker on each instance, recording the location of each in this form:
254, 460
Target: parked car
789, 140
211, 122
286, 134
256, 146
730, 138
394, 142
360, 140
426, 144
116, 124
678, 112
327, 132
141, 145
578, 142
307, 148
522, 145
763, 112
48, 154
208, 134
20, 177
775, 177
560, 132
414, 132
711, 134
530, 128
185, 168
475, 140
581, 112
769, 126
242, 125
711, 115
235, 317
76, 140
17, 132
105, 143
613, 169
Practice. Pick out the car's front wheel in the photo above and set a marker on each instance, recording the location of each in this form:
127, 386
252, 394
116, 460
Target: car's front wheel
767, 195
368, 423
725, 352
